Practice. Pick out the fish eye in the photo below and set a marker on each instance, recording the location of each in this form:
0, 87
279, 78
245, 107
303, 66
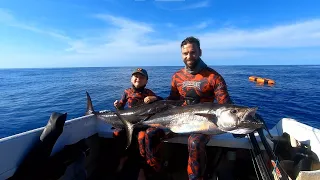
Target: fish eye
233, 111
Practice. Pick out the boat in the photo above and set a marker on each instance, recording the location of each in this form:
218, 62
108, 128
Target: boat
84, 148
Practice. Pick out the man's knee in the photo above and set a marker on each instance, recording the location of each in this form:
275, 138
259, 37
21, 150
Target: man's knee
197, 141
193, 145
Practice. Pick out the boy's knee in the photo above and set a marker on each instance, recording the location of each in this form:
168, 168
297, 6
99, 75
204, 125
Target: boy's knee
141, 135
118, 133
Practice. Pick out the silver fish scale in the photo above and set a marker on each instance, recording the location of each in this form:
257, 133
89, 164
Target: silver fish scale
186, 122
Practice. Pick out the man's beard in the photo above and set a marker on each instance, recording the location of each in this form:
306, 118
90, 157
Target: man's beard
193, 65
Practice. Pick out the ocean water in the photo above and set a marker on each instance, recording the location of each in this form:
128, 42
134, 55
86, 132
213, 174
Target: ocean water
29, 96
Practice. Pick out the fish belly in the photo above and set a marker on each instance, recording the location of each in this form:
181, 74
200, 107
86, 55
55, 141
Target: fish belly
193, 124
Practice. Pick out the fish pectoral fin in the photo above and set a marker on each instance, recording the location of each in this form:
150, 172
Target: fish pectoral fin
146, 118
153, 111
148, 113
143, 117
171, 106
211, 117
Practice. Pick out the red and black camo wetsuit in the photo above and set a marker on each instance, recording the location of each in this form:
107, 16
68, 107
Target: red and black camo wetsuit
132, 97
205, 86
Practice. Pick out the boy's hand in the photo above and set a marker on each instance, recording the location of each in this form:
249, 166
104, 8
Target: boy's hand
149, 99
116, 104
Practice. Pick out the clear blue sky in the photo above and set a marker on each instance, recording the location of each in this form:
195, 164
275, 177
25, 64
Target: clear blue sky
77, 33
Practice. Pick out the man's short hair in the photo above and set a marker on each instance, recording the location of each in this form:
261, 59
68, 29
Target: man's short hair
190, 40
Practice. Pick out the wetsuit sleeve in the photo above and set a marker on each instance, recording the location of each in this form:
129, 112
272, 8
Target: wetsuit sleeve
151, 93
123, 100
221, 92
174, 93
159, 98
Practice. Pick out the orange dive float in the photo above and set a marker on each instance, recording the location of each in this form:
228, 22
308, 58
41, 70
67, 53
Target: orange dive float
261, 80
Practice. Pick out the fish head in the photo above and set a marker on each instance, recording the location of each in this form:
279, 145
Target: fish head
237, 119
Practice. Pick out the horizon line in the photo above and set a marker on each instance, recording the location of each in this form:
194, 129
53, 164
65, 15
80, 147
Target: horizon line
152, 66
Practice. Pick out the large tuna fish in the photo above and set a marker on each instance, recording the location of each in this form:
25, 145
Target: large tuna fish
205, 118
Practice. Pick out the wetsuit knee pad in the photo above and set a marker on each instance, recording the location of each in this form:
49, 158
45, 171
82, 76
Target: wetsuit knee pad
198, 141
194, 145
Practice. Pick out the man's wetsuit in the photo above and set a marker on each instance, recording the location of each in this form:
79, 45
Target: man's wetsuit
204, 85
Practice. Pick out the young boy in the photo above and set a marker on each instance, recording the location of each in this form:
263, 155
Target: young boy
137, 94
134, 96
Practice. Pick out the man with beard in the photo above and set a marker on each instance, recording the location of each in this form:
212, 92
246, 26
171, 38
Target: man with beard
194, 83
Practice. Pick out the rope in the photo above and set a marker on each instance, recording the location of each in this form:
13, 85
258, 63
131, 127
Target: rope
252, 156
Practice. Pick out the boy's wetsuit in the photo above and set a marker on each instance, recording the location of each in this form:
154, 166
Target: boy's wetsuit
132, 97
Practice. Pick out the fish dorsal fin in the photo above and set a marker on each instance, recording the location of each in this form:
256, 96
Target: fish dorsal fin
89, 104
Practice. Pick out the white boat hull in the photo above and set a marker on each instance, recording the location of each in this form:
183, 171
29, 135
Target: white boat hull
14, 148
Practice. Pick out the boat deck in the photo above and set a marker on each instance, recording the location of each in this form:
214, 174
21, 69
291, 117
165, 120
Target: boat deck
175, 156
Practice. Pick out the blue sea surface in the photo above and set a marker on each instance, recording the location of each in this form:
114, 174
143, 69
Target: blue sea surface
29, 96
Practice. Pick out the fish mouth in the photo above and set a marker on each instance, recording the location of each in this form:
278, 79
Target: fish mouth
249, 120
249, 113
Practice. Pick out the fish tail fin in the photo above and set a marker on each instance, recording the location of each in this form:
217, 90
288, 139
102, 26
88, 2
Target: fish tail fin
128, 126
90, 109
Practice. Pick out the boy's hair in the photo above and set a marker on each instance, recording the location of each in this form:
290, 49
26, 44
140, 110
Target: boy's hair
190, 40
